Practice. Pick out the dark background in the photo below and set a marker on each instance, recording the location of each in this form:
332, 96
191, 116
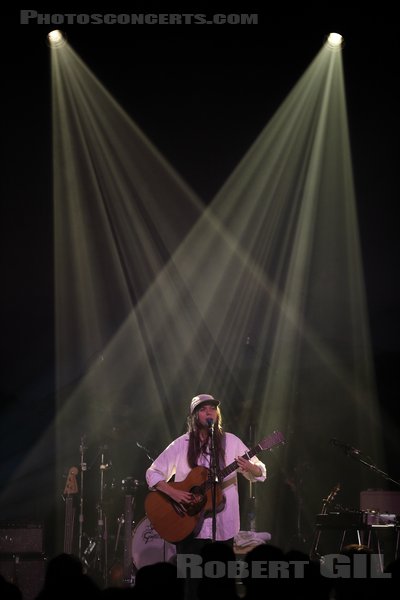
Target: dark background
201, 94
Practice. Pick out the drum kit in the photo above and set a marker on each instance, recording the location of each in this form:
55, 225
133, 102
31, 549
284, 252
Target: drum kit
147, 546
129, 543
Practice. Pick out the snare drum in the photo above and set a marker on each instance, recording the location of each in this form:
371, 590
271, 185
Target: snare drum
148, 547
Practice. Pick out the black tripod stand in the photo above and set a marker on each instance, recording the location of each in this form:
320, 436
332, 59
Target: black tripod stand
95, 556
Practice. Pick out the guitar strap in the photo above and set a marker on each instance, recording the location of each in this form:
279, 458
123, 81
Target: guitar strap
229, 481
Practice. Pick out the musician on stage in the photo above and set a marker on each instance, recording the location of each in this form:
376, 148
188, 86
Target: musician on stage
192, 449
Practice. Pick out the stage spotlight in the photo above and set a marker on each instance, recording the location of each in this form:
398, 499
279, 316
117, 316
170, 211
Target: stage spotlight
335, 41
56, 39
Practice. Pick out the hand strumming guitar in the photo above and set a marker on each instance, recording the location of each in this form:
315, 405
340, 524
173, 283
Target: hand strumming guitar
181, 498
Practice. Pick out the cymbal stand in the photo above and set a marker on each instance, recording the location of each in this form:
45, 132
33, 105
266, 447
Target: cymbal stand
83, 466
101, 547
99, 562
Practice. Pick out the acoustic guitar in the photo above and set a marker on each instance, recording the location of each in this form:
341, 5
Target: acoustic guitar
167, 517
71, 488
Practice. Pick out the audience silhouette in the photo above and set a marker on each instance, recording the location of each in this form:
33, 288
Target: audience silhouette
65, 579
160, 575
8, 590
218, 580
266, 570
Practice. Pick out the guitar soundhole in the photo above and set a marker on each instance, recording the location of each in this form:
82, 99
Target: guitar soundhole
199, 500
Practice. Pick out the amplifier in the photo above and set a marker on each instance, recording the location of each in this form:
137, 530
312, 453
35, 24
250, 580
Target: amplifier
380, 501
342, 520
21, 539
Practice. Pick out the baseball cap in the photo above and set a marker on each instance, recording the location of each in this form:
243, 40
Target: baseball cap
202, 399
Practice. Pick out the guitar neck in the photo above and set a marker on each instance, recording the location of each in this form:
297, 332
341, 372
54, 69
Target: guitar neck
69, 524
234, 465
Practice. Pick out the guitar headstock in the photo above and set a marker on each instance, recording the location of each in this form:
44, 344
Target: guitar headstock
334, 492
274, 439
71, 486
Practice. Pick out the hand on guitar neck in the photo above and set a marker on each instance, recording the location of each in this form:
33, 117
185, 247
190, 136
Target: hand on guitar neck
245, 465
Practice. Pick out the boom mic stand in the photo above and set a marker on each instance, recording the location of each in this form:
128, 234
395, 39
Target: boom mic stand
361, 458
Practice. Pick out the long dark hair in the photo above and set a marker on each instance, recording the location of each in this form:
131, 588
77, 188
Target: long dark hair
196, 446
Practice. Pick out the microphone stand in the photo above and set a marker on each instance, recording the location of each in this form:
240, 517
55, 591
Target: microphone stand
214, 479
361, 460
251, 514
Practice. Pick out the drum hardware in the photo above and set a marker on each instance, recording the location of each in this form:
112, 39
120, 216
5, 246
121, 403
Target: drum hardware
88, 551
95, 555
120, 521
118, 573
122, 571
148, 547
93, 549
129, 485
83, 466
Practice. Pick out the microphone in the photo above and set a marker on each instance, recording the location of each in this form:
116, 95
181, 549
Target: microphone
146, 451
349, 450
210, 423
142, 447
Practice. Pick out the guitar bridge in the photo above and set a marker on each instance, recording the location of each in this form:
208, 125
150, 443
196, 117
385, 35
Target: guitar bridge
198, 501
